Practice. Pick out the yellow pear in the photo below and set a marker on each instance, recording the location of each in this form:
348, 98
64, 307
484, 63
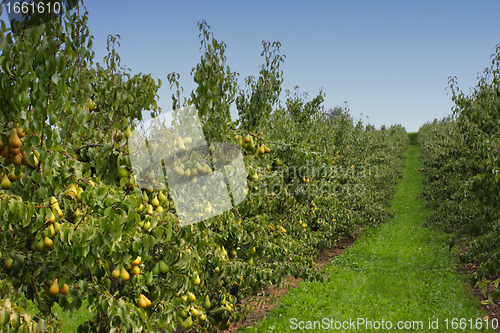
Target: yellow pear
187, 140
79, 194
180, 143
161, 197
57, 226
65, 289
142, 302
124, 275
115, 274
24, 159
52, 231
72, 192
52, 218
48, 242
5, 183
20, 132
137, 261
54, 288
14, 140
155, 202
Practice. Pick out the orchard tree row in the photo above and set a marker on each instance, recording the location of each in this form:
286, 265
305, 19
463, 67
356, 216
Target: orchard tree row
77, 224
461, 162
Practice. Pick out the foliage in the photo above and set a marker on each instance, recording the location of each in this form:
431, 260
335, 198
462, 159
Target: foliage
460, 155
77, 225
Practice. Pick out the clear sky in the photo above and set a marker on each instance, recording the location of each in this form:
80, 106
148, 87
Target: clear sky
390, 60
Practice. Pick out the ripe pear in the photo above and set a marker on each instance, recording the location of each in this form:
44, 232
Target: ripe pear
14, 151
187, 140
262, 150
135, 270
186, 323
137, 261
197, 280
191, 297
180, 143
48, 242
267, 149
5, 152
115, 274
5, 183
20, 133
155, 202
71, 192
247, 138
255, 176
150, 209
187, 173
142, 302
124, 275
57, 226
195, 312
54, 288
52, 231
79, 194
161, 196
65, 289
24, 160
14, 140
12, 177
211, 149
159, 209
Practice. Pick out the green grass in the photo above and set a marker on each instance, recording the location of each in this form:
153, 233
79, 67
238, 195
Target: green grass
400, 272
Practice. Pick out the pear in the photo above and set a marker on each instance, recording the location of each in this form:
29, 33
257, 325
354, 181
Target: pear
156, 269
48, 242
5, 183
135, 270
163, 267
54, 288
178, 171
255, 176
195, 312
79, 194
187, 140
147, 225
155, 202
247, 138
180, 143
124, 275
191, 297
128, 132
137, 261
197, 280
24, 159
65, 289
207, 169
267, 149
251, 145
71, 192
12, 177
187, 173
52, 231
140, 208
115, 274
40, 246
199, 168
122, 172
5, 152
14, 140
9, 263
14, 151
142, 302
161, 196
149, 281
262, 150
186, 323
20, 132
206, 303
194, 172
211, 149
159, 209
150, 209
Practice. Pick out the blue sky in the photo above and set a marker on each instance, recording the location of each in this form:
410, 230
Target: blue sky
390, 60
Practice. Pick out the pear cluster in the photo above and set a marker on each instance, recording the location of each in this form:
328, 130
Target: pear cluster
13, 154
249, 144
54, 288
123, 273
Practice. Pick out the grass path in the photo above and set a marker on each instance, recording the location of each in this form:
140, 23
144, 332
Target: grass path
398, 275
